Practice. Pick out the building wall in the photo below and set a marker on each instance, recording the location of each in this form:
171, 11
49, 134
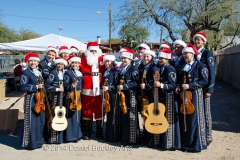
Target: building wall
227, 64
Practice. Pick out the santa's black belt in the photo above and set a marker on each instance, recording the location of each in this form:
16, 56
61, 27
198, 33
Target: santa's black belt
92, 74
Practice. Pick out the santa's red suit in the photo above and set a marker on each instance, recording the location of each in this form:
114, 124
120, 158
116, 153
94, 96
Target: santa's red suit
91, 88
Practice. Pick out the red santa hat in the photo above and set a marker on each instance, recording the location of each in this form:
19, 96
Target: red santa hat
73, 58
63, 49
164, 45
200, 34
51, 48
149, 52
60, 60
128, 53
165, 53
123, 49
180, 42
143, 45
190, 48
93, 46
30, 56
73, 49
109, 57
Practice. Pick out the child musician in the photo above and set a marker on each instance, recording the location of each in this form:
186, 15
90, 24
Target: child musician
193, 127
129, 130
53, 84
112, 125
47, 63
148, 70
72, 90
34, 116
167, 84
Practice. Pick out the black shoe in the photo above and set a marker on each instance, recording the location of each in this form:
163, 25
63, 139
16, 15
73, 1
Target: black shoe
87, 128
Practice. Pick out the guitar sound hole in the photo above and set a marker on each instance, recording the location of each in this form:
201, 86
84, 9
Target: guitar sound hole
156, 112
60, 114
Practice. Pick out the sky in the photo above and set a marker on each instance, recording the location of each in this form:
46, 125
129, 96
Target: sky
77, 18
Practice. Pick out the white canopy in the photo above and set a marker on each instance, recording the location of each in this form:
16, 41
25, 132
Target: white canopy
41, 43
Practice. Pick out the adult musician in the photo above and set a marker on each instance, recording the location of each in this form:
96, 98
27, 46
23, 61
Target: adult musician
113, 121
129, 130
193, 127
33, 122
149, 139
53, 85
178, 61
47, 63
207, 58
92, 68
73, 132
167, 84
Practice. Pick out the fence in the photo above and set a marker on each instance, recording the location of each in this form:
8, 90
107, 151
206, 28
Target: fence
7, 61
227, 64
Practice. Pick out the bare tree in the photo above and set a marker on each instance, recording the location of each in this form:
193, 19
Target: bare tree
181, 18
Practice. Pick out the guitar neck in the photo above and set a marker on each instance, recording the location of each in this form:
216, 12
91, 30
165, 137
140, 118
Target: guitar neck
60, 99
155, 97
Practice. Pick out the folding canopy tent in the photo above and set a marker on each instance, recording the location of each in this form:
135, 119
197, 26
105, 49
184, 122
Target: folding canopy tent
41, 43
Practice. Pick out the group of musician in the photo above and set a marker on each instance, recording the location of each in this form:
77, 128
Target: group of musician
124, 97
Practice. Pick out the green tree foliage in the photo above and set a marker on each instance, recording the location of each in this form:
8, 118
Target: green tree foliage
8, 35
28, 34
112, 40
183, 18
130, 42
138, 32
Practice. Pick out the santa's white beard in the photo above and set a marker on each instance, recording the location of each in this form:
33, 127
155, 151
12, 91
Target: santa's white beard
91, 58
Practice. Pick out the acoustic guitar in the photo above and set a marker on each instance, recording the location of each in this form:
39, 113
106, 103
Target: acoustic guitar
59, 121
156, 121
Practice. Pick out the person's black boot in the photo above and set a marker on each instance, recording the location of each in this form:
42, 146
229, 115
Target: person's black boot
87, 127
99, 130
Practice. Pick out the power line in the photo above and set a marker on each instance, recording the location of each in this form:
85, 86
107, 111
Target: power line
69, 5
50, 18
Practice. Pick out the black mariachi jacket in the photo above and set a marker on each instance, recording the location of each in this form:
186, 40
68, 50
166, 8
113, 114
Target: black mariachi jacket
130, 77
196, 77
53, 81
208, 59
44, 68
112, 79
179, 65
168, 77
29, 81
69, 75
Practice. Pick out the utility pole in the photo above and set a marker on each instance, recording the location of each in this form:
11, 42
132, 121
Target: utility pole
110, 24
161, 34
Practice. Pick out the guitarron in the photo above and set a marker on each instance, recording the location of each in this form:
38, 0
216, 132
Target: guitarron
156, 121
59, 121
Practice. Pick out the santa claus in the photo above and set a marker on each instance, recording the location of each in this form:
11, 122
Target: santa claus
92, 68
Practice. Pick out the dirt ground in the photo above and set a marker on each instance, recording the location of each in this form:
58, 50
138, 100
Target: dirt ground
225, 146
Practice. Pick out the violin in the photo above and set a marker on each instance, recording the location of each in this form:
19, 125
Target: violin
122, 99
106, 97
75, 96
186, 107
40, 96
